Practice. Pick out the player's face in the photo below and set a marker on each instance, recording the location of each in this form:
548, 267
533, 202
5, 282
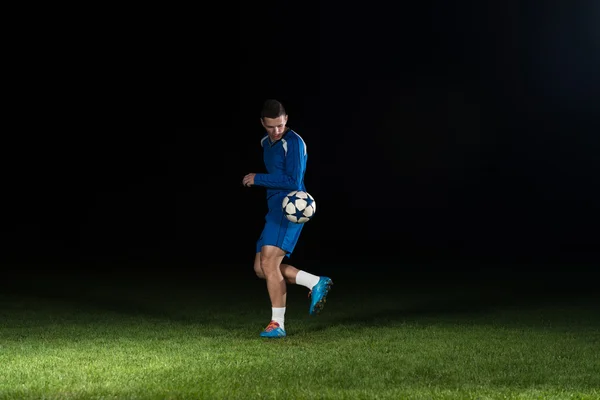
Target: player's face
275, 126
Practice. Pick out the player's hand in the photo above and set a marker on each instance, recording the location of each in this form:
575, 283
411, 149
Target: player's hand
248, 180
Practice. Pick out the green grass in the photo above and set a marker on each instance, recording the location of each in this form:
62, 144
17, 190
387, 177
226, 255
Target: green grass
159, 340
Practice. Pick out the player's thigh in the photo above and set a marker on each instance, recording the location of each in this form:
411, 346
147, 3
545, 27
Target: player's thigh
269, 252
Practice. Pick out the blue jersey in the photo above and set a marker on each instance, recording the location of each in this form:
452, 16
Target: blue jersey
285, 160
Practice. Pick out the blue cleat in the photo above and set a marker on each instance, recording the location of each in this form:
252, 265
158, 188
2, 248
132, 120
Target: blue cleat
318, 295
273, 330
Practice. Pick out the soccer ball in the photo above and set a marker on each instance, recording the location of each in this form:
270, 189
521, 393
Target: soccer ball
299, 206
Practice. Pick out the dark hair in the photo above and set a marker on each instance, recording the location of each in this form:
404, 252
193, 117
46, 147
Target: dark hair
272, 109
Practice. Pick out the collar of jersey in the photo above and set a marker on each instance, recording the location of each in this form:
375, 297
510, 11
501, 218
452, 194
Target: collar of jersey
287, 130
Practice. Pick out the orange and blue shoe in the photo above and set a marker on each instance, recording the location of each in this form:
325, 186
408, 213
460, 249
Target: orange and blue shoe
273, 330
318, 295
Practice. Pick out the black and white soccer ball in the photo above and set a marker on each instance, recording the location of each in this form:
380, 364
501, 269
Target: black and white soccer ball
299, 207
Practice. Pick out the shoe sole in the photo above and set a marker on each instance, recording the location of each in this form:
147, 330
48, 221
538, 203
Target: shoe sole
321, 303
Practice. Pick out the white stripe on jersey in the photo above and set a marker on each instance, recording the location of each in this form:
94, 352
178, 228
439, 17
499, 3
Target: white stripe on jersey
303, 142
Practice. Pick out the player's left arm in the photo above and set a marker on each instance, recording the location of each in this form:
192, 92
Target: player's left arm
292, 175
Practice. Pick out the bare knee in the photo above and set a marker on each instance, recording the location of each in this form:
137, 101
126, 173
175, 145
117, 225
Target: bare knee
259, 272
258, 267
268, 265
270, 261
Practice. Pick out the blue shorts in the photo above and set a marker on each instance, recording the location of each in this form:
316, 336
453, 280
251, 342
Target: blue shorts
278, 230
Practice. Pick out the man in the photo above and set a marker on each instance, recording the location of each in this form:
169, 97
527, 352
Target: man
284, 155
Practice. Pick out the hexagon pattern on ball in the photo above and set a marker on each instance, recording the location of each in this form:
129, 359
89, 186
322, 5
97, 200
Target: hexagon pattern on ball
299, 206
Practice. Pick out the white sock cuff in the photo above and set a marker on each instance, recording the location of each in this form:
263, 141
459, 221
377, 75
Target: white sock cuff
305, 279
278, 315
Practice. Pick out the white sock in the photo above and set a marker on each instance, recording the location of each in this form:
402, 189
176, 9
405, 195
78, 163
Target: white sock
278, 315
305, 279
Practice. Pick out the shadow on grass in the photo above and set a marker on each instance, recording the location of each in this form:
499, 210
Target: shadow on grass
524, 303
528, 312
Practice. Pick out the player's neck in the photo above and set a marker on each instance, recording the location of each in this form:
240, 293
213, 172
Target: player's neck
272, 142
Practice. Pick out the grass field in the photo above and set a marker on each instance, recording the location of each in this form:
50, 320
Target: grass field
133, 338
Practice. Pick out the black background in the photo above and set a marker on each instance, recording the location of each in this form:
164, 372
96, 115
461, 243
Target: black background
458, 135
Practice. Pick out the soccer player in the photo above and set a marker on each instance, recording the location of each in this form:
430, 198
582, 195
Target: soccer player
284, 155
